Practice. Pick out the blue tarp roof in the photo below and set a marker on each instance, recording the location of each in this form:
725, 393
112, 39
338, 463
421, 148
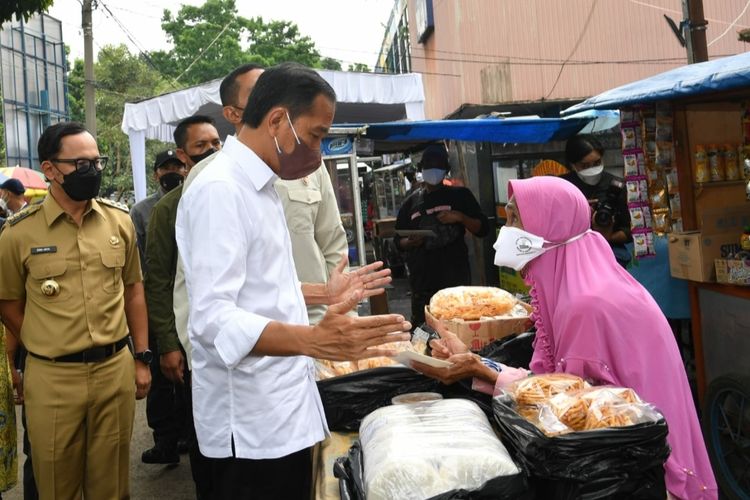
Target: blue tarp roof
726, 73
503, 130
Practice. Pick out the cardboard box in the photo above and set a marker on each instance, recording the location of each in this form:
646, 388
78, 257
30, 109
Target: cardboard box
477, 334
733, 272
692, 254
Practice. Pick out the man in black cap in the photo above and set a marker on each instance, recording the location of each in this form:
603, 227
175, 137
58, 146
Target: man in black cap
441, 259
11, 191
169, 172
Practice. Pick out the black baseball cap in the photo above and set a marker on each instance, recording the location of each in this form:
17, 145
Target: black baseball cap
14, 186
166, 157
435, 156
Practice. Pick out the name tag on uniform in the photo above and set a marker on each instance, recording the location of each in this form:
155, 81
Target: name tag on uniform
38, 250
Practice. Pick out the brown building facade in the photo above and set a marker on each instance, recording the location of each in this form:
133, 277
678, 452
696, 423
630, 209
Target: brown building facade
512, 51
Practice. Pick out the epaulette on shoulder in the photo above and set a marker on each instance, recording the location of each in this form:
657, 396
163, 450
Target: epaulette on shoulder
113, 204
26, 212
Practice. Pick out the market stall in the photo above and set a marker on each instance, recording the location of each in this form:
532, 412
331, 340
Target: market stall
686, 134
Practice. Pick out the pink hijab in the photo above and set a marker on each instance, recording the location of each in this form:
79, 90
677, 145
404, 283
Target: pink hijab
595, 321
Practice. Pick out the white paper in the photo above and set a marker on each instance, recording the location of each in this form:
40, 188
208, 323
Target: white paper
405, 358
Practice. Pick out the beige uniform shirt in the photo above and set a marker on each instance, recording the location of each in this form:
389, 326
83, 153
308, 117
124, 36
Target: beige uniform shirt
72, 278
318, 237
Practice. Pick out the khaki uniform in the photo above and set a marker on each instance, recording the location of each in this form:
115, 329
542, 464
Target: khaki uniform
314, 223
72, 279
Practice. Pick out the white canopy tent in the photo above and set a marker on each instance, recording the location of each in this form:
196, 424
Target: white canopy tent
362, 98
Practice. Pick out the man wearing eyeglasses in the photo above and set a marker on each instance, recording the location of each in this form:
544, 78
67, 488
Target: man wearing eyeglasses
70, 291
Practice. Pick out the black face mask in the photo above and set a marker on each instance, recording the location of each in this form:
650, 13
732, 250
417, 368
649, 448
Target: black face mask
82, 187
198, 158
170, 181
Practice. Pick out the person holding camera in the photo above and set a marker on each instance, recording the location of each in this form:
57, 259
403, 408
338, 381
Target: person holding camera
604, 191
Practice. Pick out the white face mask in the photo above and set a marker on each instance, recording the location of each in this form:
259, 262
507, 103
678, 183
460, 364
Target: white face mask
591, 175
433, 176
4, 207
515, 248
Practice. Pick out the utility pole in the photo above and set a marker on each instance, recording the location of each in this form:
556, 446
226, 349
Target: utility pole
695, 31
88, 66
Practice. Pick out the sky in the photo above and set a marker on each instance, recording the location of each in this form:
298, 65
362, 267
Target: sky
347, 30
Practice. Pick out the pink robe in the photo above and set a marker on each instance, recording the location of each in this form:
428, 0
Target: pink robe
595, 321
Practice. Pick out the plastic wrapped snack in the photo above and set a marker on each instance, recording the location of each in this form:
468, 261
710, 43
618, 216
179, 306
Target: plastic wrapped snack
570, 409
536, 390
604, 413
589, 409
471, 303
416, 451
328, 369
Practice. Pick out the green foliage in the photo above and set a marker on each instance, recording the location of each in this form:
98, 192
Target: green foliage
210, 40
22, 9
120, 77
359, 67
330, 63
192, 32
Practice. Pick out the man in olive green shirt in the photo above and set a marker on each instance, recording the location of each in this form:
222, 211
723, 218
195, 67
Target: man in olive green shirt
196, 137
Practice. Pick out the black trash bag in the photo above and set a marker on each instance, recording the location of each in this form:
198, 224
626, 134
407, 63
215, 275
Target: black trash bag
349, 470
513, 350
349, 398
626, 462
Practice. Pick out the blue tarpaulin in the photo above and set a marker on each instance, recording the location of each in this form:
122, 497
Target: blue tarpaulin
503, 130
727, 73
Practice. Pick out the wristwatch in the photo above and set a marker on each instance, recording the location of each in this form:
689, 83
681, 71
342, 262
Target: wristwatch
145, 357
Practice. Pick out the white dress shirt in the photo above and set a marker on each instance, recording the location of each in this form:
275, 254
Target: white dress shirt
232, 238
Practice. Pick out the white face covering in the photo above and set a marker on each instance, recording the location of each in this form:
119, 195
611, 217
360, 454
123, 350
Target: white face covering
433, 176
515, 248
591, 175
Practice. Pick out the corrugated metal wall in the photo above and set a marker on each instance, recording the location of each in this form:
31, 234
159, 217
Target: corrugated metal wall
491, 51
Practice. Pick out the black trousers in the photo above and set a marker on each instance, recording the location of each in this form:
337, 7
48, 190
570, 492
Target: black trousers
200, 466
288, 478
165, 407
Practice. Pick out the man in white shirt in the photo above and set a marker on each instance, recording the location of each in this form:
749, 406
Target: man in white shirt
256, 405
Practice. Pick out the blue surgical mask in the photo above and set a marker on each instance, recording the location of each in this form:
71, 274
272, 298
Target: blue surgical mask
433, 176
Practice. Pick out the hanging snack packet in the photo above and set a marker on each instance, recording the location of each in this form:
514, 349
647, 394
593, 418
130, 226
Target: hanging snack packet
643, 190
664, 129
637, 221
674, 204
661, 221
640, 247
631, 165
649, 128
631, 137
664, 153
633, 193
658, 198
647, 221
673, 186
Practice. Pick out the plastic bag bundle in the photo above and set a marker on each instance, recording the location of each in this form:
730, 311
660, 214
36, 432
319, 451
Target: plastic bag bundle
594, 443
560, 403
417, 451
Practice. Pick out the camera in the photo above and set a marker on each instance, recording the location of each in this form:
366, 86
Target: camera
604, 211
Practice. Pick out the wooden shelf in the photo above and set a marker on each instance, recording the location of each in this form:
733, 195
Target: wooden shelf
720, 183
699, 186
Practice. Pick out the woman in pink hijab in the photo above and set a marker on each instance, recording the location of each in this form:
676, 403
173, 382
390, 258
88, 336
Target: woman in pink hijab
593, 320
